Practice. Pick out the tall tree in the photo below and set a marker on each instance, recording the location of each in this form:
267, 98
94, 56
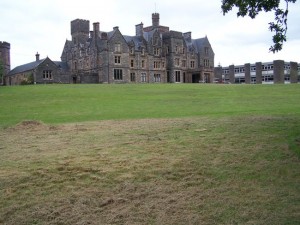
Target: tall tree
252, 8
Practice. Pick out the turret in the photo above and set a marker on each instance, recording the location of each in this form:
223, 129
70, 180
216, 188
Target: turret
80, 30
4, 59
155, 19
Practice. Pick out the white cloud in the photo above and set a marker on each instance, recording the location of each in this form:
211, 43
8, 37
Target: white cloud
43, 26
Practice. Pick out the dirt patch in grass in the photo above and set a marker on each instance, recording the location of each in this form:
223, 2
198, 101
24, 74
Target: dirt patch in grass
30, 125
199, 170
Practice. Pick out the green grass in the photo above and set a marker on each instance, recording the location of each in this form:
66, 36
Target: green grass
73, 103
150, 154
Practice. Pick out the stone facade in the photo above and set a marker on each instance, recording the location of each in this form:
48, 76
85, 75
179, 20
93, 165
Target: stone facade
40, 71
155, 54
4, 60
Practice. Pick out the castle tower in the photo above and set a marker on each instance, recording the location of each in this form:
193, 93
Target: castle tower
80, 30
4, 60
155, 19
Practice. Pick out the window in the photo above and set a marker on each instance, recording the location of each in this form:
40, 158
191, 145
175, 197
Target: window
118, 74
183, 63
163, 64
132, 77
118, 47
143, 63
156, 51
206, 50
177, 61
47, 75
177, 76
131, 63
156, 65
183, 50
206, 63
131, 50
157, 78
168, 49
117, 59
176, 48
192, 64
75, 65
143, 77
143, 51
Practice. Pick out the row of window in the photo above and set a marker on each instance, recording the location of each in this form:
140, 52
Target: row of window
157, 51
156, 65
253, 68
118, 76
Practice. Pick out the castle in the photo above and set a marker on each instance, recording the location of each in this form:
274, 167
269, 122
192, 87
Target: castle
155, 54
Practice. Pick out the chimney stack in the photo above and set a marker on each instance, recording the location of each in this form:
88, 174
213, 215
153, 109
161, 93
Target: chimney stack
139, 29
96, 29
37, 56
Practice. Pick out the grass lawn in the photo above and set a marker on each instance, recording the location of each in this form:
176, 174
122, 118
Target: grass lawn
150, 154
78, 103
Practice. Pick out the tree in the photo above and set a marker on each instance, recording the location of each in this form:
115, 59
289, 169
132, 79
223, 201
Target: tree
252, 8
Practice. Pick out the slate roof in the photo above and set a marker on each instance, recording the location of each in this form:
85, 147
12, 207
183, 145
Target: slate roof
138, 41
148, 35
32, 65
63, 65
198, 43
25, 67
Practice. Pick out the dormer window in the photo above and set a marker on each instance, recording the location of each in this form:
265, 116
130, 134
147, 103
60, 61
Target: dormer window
155, 41
118, 47
156, 51
206, 50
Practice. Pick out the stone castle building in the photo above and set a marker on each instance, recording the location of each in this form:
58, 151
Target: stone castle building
154, 54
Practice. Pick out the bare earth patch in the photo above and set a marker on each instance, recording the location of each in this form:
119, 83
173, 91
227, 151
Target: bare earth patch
150, 171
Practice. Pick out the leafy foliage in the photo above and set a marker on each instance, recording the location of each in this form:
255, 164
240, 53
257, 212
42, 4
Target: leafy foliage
252, 8
28, 80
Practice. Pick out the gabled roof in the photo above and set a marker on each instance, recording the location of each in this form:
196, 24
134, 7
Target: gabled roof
26, 67
198, 44
63, 65
137, 40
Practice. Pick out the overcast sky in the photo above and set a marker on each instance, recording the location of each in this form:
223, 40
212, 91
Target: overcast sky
44, 25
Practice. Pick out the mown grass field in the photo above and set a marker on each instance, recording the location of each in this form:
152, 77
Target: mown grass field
150, 154
78, 103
